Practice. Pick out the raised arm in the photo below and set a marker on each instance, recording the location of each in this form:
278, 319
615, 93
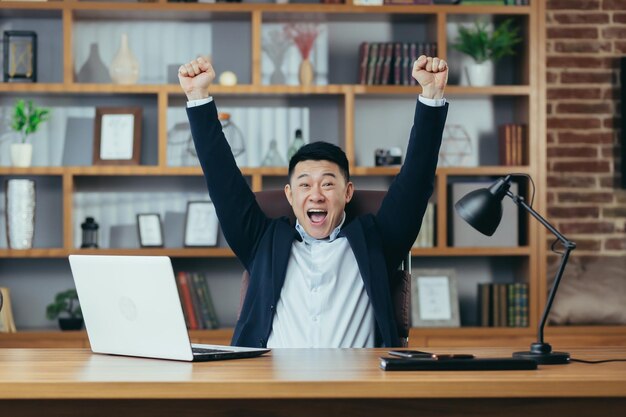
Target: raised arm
241, 219
400, 216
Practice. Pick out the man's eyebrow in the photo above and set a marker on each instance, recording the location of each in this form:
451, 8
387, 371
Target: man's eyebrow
326, 174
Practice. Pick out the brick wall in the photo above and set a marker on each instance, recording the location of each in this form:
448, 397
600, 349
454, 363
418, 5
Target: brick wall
585, 38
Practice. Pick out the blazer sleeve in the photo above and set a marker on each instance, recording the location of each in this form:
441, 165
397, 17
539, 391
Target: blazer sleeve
400, 216
241, 219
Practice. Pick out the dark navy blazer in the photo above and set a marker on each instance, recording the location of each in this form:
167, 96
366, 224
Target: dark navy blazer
263, 245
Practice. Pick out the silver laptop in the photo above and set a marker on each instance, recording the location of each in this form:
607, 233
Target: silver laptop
131, 307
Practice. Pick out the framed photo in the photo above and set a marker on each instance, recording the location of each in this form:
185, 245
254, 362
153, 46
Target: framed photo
201, 224
150, 230
117, 136
434, 298
20, 56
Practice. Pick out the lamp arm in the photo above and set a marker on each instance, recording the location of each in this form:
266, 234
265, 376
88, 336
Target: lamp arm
569, 246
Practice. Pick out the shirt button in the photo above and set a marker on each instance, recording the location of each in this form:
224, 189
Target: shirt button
314, 289
314, 318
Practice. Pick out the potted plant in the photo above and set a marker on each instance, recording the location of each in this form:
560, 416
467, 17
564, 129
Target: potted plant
486, 47
26, 120
66, 308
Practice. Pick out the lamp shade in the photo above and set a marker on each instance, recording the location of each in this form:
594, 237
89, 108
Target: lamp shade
482, 208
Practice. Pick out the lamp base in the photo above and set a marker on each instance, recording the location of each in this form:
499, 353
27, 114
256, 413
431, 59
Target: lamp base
543, 355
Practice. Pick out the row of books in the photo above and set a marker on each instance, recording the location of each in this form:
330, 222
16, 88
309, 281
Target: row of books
7, 324
408, 2
497, 2
391, 63
196, 300
512, 144
426, 236
503, 305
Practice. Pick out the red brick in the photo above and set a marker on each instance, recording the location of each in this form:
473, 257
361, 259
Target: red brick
582, 166
573, 93
571, 181
552, 77
613, 33
588, 245
611, 93
551, 137
586, 227
572, 33
621, 196
579, 62
584, 138
549, 107
619, 17
585, 197
611, 123
588, 78
573, 4
614, 5
584, 108
620, 46
615, 244
609, 152
617, 212
550, 197
569, 123
609, 182
573, 212
582, 47
574, 18
572, 152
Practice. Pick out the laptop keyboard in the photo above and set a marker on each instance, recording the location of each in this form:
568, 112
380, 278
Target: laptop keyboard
202, 351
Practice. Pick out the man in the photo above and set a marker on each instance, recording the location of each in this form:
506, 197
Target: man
324, 283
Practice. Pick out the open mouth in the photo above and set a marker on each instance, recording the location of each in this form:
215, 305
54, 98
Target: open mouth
317, 216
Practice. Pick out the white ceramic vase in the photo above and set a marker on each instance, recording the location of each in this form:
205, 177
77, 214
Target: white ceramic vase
479, 75
21, 154
124, 67
20, 212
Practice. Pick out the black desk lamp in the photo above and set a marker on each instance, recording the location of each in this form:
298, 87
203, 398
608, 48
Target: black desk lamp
482, 209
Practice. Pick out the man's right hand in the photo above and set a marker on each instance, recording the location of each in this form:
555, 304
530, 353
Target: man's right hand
195, 78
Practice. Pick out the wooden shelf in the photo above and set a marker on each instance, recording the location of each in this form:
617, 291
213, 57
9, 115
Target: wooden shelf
486, 251
448, 171
172, 252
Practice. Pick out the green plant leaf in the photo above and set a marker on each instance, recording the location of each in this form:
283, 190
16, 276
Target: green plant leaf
481, 45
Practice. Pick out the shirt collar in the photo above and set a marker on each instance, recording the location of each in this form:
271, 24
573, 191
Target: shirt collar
311, 240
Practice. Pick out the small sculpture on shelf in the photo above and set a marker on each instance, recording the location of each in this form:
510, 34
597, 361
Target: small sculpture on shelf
124, 67
303, 36
20, 212
93, 70
272, 157
20, 56
297, 143
275, 45
90, 233
456, 146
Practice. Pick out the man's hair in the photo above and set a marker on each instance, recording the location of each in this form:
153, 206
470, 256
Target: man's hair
321, 151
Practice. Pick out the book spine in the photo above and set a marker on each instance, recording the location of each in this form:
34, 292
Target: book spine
187, 302
363, 54
197, 309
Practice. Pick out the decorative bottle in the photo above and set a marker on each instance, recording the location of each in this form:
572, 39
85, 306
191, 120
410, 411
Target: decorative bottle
125, 67
297, 143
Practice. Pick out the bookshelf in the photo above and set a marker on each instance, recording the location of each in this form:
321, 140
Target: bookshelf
346, 102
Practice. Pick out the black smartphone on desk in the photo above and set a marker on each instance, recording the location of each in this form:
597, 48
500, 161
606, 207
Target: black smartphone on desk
418, 354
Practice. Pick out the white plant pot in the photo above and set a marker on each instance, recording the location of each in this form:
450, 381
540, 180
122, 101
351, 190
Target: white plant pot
480, 75
21, 154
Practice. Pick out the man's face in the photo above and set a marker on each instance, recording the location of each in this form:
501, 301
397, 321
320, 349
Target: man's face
318, 194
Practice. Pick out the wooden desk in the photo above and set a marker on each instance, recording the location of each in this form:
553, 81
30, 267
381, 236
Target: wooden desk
300, 382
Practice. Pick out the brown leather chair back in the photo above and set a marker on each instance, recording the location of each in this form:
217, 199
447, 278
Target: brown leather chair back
274, 204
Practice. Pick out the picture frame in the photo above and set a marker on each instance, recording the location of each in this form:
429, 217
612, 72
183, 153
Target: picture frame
150, 230
20, 56
201, 224
117, 136
434, 298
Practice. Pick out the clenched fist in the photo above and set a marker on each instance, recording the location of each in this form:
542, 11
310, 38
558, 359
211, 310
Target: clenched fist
195, 78
432, 75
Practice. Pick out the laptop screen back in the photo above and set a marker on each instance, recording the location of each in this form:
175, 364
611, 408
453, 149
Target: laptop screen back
130, 305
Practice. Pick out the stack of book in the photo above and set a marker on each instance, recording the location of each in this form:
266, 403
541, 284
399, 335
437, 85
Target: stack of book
512, 144
503, 305
390, 63
497, 2
426, 236
196, 300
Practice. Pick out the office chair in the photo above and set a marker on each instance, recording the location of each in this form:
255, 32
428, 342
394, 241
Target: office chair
274, 204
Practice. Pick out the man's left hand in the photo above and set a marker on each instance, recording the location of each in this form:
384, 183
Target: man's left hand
432, 75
